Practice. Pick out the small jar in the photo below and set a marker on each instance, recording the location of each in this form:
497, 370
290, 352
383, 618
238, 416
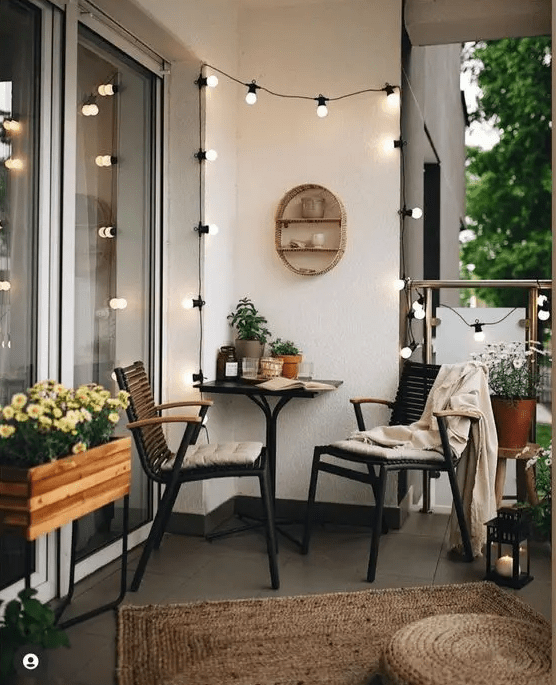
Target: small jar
226, 364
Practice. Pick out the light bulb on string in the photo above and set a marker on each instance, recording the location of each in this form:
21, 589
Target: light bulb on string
210, 229
479, 334
413, 213
118, 303
399, 284
251, 96
191, 302
89, 107
544, 308
322, 109
210, 81
11, 125
419, 313
105, 160
14, 164
208, 155
107, 231
107, 89
408, 350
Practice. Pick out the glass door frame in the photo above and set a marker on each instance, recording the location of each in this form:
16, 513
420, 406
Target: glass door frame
76, 15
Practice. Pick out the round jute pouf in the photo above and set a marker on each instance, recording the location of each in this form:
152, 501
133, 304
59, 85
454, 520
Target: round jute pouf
479, 649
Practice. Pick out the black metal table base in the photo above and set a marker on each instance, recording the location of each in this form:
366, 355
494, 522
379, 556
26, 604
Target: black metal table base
67, 599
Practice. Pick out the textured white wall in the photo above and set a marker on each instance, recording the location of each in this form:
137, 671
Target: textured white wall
345, 321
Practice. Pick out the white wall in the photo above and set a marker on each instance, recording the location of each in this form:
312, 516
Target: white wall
346, 321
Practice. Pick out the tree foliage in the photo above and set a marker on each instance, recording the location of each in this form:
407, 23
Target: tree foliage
509, 186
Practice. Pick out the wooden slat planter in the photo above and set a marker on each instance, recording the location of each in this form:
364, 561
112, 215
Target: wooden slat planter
37, 500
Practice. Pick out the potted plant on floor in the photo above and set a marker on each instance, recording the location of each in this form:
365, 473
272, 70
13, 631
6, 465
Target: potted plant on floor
27, 623
251, 330
58, 460
514, 383
289, 353
539, 510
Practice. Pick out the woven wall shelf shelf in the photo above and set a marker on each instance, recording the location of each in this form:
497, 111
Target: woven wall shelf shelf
309, 244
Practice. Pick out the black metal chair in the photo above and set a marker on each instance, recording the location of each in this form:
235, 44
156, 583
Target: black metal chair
191, 462
415, 384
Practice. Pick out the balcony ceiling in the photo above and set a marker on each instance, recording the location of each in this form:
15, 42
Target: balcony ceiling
438, 22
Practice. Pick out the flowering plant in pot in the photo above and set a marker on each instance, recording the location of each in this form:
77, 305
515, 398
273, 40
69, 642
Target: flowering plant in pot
514, 382
289, 353
251, 330
50, 421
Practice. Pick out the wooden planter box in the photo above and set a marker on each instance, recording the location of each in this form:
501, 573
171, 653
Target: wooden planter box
37, 500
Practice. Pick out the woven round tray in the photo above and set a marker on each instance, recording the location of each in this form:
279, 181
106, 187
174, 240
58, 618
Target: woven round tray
481, 649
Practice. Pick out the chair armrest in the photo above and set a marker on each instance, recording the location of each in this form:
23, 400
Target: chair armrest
188, 403
453, 412
371, 400
157, 420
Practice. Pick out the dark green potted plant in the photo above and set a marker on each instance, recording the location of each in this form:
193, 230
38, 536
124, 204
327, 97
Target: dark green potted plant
27, 622
289, 353
251, 330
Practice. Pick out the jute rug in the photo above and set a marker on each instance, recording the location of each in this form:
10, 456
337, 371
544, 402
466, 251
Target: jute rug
331, 639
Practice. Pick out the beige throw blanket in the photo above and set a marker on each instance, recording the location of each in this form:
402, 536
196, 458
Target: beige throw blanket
461, 387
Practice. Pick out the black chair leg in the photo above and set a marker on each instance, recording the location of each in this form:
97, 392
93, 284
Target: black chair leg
161, 515
164, 522
458, 506
264, 482
374, 485
311, 501
377, 523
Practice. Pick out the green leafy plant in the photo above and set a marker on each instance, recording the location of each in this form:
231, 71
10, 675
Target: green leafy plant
27, 621
281, 347
511, 373
249, 324
540, 512
51, 421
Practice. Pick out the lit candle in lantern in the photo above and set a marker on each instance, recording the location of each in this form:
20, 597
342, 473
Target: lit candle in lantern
505, 566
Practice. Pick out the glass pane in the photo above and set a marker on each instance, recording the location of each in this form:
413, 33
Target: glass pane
19, 78
113, 231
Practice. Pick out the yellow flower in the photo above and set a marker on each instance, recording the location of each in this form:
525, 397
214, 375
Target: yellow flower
6, 431
79, 447
86, 415
21, 417
57, 412
19, 400
113, 417
45, 421
34, 411
8, 412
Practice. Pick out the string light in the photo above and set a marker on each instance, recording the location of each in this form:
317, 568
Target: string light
414, 213
107, 89
90, 107
191, 303
107, 231
479, 335
5, 285
14, 163
208, 155
118, 303
251, 96
408, 350
211, 229
105, 160
543, 308
322, 109
400, 283
207, 81
11, 125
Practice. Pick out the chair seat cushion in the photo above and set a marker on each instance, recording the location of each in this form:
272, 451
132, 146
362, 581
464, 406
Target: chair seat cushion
366, 449
218, 454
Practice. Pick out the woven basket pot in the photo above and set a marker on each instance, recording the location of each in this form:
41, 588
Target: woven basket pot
513, 420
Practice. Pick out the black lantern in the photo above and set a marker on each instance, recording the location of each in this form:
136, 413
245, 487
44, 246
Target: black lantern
507, 553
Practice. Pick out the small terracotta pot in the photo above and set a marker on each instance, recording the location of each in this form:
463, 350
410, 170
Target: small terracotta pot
513, 420
291, 364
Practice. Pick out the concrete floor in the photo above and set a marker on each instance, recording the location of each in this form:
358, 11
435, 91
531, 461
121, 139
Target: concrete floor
190, 569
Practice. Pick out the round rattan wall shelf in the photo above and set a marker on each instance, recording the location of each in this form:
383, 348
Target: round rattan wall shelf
310, 234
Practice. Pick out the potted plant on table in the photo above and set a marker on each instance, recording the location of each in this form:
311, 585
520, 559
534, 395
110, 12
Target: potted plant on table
27, 623
290, 355
251, 330
514, 383
56, 442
